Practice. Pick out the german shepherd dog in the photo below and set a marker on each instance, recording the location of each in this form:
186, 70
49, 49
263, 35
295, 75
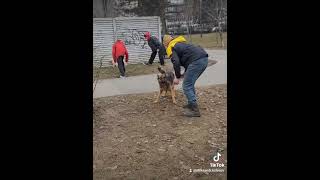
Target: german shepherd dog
165, 80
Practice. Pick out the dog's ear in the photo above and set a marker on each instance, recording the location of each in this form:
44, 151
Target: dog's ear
161, 70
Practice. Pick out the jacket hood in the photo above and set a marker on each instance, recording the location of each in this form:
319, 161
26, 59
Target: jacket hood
173, 42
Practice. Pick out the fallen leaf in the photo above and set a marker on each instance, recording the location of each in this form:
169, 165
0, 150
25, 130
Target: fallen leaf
113, 168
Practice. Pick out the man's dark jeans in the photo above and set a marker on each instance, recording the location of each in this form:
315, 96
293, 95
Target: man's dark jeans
161, 54
194, 70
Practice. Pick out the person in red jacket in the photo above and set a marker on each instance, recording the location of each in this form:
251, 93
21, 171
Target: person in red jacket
119, 50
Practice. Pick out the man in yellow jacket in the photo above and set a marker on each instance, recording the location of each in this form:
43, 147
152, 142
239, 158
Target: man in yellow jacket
194, 60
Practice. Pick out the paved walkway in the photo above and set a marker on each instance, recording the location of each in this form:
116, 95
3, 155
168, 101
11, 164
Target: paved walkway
215, 74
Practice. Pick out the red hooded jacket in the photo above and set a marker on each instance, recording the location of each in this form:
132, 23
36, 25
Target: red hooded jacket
153, 42
119, 49
147, 35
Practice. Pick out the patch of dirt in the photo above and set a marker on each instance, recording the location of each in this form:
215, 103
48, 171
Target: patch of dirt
134, 138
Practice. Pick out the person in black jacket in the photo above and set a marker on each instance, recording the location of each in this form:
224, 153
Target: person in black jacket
155, 46
194, 60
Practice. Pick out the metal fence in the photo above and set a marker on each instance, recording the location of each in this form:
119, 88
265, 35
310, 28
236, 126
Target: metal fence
130, 30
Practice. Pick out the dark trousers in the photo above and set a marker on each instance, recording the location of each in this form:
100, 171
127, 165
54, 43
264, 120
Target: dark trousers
121, 66
161, 55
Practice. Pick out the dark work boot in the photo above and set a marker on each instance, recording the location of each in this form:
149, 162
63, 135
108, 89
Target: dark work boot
147, 63
192, 111
186, 106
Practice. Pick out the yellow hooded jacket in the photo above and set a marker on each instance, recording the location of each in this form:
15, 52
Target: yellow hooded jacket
173, 43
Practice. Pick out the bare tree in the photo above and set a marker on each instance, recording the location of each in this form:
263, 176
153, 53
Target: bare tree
188, 12
162, 6
216, 12
220, 11
97, 70
103, 8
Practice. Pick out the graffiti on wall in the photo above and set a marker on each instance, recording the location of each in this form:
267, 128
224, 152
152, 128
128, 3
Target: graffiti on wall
133, 36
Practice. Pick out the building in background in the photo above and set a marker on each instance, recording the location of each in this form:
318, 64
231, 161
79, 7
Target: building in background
175, 17
195, 16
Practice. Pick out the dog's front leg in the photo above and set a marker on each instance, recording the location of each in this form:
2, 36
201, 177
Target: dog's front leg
173, 95
158, 96
163, 93
172, 91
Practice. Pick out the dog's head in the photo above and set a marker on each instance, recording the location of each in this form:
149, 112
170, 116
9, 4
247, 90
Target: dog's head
165, 77
162, 75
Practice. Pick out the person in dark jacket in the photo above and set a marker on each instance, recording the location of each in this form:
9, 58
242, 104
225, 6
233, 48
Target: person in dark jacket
119, 50
155, 46
194, 60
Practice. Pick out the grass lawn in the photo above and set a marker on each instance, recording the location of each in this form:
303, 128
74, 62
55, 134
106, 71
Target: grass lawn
208, 40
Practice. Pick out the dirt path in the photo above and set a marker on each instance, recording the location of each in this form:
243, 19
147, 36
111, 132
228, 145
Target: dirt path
137, 139
213, 75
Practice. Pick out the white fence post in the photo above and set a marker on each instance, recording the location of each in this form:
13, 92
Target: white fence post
159, 30
115, 37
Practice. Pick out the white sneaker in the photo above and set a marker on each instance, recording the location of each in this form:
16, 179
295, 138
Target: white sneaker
122, 76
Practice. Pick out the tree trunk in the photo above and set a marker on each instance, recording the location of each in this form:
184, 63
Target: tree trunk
200, 18
162, 16
220, 21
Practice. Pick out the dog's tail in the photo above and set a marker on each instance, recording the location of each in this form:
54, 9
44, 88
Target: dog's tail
161, 70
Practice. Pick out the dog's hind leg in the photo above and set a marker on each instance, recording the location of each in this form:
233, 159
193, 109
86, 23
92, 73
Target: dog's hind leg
167, 93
